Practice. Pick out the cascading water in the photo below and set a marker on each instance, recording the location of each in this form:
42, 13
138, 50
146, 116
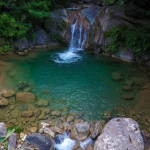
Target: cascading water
78, 39
63, 142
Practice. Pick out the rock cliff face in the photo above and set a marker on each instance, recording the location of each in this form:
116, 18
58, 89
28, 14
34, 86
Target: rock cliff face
93, 19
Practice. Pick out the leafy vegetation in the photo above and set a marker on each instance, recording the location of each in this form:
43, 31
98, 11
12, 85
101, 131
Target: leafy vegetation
127, 38
11, 130
20, 18
110, 2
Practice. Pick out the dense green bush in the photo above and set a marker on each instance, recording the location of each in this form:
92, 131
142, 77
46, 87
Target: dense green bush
127, 38
20, 18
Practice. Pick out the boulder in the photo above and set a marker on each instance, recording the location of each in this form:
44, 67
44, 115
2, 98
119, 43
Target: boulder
41, 142
8, 93
3, 129
4, 102
120, 134
25, 97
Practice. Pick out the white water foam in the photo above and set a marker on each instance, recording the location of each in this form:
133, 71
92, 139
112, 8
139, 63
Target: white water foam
84, 144
76, 44
65, 143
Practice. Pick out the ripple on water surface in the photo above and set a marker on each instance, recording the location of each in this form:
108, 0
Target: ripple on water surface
84, 85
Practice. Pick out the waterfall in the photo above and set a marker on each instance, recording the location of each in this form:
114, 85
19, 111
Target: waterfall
64, 142
77, 41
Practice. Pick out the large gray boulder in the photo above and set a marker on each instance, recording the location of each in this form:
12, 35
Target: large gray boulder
120, 134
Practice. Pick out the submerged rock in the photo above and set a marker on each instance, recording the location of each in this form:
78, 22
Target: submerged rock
4, 102
25, 97
55, 113
8, 93
41, 142
116, 76
42, 102
120, 134
128, 96
143, 100
27, 114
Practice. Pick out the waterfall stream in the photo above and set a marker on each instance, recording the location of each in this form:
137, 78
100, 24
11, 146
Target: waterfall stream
77, 41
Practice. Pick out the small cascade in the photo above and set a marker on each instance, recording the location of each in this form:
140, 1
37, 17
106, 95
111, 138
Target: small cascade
63, 142
78, 36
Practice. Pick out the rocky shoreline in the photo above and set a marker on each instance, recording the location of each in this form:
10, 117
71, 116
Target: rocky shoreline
39, 121
118, 134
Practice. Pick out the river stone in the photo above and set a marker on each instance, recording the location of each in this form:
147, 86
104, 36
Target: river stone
98, 129
42, 102
4, 102
82, 130
27, 114
15, 113
57, 130
70, 118
127, 88
116, 76
3, 129
33, 129
120, 134
25, 97
49, 132
8, 93
55, 113
127, 96
41, 142
129, 82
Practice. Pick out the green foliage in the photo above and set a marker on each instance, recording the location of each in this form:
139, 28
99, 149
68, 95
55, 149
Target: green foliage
20, 18
11, 130
127, 38
110, 2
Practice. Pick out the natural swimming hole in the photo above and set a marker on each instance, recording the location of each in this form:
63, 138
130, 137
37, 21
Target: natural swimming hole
83, 83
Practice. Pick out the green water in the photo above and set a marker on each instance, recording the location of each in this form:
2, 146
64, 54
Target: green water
84, 86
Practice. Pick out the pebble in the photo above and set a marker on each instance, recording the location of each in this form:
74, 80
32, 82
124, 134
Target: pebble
19, 146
